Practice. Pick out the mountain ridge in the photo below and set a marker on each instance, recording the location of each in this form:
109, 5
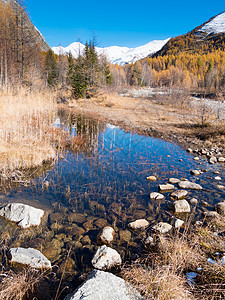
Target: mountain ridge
206, 37
115, 54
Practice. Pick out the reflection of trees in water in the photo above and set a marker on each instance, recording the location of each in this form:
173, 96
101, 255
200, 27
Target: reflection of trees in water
83, 130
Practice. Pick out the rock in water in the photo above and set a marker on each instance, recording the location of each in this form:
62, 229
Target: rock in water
151, 178
106, 235
138, 224
104, 285
166, 187
31, 257
25, 215
181, 206
179, 194
162, 227
189, 185
106, 258
156, 196
220, 208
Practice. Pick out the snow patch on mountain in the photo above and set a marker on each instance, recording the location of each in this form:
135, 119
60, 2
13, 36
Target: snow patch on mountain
115, 54
217, 25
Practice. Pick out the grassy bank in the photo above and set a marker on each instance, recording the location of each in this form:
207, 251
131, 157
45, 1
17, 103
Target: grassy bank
25, 135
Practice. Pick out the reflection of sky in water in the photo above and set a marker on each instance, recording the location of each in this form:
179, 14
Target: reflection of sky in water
114, 168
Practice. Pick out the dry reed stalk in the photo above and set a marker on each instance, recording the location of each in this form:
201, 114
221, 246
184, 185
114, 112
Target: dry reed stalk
25, 139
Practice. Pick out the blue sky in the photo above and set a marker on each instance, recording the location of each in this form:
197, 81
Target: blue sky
121, 23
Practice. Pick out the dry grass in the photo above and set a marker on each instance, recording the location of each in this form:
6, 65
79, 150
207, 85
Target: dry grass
20, 286
161, 274
25, 140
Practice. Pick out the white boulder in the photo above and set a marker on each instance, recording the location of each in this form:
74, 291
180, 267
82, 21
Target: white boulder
102, 285
162, 227
182, 206
156, 196
138, 224
179, 194
166, 187
23, 214
30, 257
189, 185
106, 258
106, 236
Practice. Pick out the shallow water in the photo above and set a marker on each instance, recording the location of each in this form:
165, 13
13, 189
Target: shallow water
104, 181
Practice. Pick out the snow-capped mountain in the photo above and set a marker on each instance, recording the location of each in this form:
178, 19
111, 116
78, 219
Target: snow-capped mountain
216, 25
207, 37
115, 54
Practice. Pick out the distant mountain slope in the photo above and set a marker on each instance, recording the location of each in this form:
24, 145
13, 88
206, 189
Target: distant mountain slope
115, 54
205, 38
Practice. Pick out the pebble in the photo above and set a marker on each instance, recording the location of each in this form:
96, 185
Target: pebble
218, 178
194, 201
174, 180
151, 178
178, 194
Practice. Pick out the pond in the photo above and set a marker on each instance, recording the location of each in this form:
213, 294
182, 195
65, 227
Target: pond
103, 181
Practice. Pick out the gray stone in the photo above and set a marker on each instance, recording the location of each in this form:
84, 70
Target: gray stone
189, 185
106, 236
106, 258
221, 159
218, 178
23, 214
151, 178
195, 172
149, 241
211, 214
156, 196
194, 201
138, 224
221, 187
220, 208
212, 160
179, 194
162, 227
102, 285
31, 257
189, 150
178, 223
174, 180
181, 206
166, 187
196, 158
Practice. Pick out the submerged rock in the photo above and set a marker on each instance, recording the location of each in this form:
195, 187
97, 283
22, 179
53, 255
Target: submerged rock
156, 196
151, 178
179, 194
29, 256
24, 215
106, 258
104, 285
189, 185
195, 172
125, 235
194, 201
181, 206
166, 187
162, 227
106, 235
138, 224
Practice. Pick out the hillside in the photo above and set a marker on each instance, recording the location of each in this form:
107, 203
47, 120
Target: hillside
31, 34
115, 54
205, 38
